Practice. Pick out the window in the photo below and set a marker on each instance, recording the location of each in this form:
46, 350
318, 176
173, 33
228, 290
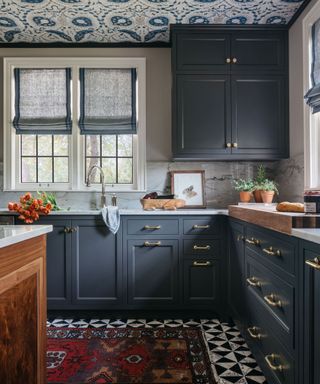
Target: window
311, 54
65, 115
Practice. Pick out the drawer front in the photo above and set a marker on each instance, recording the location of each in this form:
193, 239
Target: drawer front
201, 247
277, 361
201, 226
153, 226
277, 251
277, 295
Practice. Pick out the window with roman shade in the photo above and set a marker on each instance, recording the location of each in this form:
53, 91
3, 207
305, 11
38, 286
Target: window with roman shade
313, 95
42, 101
107, 101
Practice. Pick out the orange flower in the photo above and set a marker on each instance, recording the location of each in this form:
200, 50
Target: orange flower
49, 206
27, 196
16, 206
11, 206
21, 217
28, 221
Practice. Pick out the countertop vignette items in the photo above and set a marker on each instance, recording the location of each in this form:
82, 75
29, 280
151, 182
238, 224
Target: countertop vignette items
312, 201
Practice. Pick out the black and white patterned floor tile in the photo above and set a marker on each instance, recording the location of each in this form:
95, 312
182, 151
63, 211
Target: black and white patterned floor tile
232, 361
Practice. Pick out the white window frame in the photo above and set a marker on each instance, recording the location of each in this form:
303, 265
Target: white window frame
311, 121
11, 141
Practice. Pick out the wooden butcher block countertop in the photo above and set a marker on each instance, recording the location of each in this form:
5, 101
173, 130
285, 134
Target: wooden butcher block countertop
269, 217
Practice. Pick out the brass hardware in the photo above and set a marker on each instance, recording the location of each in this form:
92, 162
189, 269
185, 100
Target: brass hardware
253, 281
228, 60
271, 300
234, 60
201, 264
196, 226
155, 244
67, 230
253, 241
315, 263
229, 145
151, 227
234, 145
240, 237
201, 248
270, 359
254, 333
272, 252
73, 229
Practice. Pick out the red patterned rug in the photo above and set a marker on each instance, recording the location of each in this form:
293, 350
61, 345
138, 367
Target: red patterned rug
127, 355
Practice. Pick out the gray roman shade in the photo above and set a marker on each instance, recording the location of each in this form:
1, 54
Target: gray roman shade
107, 101
313, 95
42, 101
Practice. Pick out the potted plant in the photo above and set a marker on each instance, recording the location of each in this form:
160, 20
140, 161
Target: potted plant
269, 188
258, 183
245, 187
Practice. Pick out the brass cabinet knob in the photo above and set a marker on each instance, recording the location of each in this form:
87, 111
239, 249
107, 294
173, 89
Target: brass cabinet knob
234, 145
315, 263
67, 230
271, 361
228, 60
73, 229
229, 145
234, 60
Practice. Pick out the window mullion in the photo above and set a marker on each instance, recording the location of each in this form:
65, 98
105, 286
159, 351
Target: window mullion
75, 165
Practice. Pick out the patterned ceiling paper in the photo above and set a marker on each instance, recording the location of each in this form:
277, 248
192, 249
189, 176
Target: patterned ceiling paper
135, 21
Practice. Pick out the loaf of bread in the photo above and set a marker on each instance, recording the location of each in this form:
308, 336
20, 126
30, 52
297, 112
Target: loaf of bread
285, 206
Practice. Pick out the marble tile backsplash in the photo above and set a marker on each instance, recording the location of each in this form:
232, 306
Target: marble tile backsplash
218, 184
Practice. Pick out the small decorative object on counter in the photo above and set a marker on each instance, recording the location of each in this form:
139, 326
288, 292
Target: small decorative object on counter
245, 188
268, 190
30, 208
189, 186
285, 206
312, 201
152, 201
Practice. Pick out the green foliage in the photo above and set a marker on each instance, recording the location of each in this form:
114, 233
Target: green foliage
243, 185
49, 198
269, 185
261, 175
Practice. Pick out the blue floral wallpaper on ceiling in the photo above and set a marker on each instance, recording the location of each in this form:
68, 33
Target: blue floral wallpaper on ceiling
138, 21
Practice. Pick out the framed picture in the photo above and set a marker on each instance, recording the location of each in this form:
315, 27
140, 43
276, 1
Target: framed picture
189, 186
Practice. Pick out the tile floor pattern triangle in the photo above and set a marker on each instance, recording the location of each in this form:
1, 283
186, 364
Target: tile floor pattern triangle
232, 360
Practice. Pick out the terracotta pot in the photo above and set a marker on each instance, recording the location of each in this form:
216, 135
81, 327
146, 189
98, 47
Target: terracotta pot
267, 196
245, 196
257, 196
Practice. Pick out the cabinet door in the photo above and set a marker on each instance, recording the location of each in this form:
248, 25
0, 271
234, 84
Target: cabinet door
206, 52
311, 317
202, 282
263, 52
152, 271
201, 125
236, 270
259, 116
58, 263
96, 265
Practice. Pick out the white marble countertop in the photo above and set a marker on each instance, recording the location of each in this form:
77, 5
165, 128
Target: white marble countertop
310, 234
12, 234
137, 211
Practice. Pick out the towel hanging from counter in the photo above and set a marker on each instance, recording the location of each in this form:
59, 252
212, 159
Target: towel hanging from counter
111, 217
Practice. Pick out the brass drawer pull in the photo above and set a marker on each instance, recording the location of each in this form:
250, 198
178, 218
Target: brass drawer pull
270, 359
152, 227
271, 300
240, 237
196, 226
253, 281
315, 263
201, 263
155, 244
254, 333
253, 241
201, 248
272, 252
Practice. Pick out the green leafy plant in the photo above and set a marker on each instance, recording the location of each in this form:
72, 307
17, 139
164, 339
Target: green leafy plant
269, 185
49, 198
260, 178
243, 185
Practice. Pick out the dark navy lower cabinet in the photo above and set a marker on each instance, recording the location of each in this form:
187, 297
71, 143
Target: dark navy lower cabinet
311, 314
153, 272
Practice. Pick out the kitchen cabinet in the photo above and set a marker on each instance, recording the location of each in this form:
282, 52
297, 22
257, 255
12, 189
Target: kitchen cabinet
311, 313
153, 272
230, 93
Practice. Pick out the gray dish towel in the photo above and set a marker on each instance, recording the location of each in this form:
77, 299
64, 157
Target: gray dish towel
111, 216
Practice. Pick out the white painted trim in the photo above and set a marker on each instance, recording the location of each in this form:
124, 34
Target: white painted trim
311, 122
76, 165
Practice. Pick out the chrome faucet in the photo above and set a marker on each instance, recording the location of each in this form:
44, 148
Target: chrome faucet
103, 191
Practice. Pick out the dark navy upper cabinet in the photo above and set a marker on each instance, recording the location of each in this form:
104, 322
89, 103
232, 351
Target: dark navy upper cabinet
311, 314
230, 93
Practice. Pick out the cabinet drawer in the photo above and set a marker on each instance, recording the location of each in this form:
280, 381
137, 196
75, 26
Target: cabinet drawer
201, 247
201, 226
277, 295
280, 365
153, 226
272, 248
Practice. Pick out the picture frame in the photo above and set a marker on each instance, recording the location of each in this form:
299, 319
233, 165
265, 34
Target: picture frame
189, 186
